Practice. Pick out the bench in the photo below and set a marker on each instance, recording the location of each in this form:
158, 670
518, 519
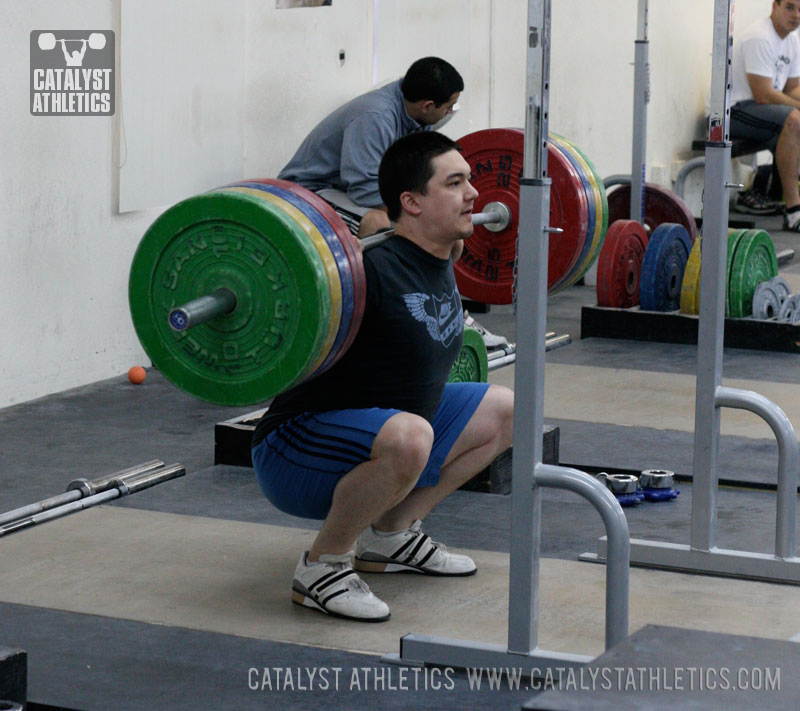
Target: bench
739, 147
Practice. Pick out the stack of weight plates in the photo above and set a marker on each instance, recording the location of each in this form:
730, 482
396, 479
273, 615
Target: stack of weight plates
770, 298
297, 275
751, 260
577, 205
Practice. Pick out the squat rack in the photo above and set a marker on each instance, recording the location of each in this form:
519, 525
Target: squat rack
702, 555
529, 473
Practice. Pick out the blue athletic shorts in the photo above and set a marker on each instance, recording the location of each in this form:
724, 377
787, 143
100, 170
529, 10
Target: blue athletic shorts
299, 464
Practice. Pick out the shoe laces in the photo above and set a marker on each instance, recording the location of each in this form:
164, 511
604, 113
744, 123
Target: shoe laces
416, 529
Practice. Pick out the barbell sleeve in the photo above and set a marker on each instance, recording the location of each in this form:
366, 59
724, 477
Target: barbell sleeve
484, 218
144, 480
206, 308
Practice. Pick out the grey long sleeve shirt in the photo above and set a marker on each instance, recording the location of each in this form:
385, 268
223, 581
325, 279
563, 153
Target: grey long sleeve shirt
345, 149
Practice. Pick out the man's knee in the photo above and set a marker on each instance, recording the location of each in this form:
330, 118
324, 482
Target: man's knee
500, 413
373, 221
791, 127
405, 443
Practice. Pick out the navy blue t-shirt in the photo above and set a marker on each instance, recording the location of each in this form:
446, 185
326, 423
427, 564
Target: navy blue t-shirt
409, 338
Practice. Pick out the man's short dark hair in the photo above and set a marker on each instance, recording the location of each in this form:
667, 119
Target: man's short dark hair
431, 78
407, 166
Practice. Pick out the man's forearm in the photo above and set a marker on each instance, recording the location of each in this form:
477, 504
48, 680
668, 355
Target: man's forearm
773, 96
794, 95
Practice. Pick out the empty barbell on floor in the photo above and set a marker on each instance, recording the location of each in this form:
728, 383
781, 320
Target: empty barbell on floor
83, 494
77, 489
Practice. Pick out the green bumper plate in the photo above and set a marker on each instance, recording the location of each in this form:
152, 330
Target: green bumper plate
733, 242
754, 262
275, 333
472, 364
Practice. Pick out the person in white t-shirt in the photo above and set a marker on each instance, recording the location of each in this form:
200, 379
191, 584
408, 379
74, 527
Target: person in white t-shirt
765, 97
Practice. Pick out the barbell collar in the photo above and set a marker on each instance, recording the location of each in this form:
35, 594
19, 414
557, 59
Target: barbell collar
495, 217
201, 310
89, 487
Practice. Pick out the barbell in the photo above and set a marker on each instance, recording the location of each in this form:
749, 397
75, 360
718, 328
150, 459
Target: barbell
47, 40
243, 292
223, 301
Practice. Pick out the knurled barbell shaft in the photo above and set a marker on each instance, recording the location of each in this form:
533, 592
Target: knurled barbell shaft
203, 309
223, 301
500, 215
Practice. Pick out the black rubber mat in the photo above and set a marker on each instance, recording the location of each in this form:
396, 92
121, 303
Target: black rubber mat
671, 669
92, 663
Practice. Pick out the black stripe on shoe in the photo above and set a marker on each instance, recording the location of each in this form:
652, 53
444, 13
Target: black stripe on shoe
433, 550
324, 601
330, 579
402, 548
422, 540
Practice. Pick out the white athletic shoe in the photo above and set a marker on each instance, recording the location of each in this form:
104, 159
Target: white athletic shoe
332, 587
410, 550
489, 338
791, 221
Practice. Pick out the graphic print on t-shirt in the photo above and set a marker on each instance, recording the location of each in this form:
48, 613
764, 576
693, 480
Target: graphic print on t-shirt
445, 321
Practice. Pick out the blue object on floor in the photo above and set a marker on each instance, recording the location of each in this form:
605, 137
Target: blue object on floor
630, 499
659, 494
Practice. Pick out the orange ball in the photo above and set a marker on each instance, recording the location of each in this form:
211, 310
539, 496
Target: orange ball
137, 374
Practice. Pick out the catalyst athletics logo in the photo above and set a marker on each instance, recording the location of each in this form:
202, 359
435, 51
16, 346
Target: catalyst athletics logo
72, 73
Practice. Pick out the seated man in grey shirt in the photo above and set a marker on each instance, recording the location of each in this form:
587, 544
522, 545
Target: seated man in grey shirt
339, 159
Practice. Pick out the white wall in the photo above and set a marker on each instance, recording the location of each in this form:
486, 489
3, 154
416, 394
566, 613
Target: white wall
294, 77
65, 252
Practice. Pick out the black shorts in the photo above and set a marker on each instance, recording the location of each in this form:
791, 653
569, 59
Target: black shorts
762, 123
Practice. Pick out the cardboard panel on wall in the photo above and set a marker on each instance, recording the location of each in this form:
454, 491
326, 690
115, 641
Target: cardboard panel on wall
182, 99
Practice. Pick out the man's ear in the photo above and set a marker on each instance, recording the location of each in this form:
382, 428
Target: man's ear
409, 203
426, 106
